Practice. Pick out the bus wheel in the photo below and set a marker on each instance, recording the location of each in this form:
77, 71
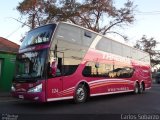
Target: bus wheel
136, 88
80, 94
141, 89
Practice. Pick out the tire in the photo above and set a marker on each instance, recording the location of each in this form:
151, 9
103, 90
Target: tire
136, 88
141, 88
80, 94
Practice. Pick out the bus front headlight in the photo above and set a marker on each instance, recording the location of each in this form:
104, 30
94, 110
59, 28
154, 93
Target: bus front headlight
13, 88
36, 89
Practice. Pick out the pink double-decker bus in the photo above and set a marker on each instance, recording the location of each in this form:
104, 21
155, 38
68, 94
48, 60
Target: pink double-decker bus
65, 61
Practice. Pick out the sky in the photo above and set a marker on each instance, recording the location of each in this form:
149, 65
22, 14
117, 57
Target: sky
147, 18
9, 27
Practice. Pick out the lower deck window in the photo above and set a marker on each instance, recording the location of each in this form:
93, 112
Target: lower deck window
107, 70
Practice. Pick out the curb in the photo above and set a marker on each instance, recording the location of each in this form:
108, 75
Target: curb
2, 94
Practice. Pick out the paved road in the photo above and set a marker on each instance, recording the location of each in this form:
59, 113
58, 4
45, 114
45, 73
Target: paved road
119, 104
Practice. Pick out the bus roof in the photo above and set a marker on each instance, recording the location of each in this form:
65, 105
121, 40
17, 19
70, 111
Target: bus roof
92, 32
101, 35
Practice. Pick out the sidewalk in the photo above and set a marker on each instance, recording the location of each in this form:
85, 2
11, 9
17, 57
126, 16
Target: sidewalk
6, 97
5, 94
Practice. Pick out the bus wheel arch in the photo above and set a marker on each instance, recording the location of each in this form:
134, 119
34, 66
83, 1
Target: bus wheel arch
82, 92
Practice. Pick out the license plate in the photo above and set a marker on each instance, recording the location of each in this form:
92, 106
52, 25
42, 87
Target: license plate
21, 96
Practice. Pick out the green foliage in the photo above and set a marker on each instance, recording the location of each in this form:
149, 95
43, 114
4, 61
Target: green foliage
149, 45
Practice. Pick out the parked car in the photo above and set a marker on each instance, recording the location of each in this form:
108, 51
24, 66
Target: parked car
157, 77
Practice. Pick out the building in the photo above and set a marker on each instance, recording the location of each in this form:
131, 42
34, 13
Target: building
8, 52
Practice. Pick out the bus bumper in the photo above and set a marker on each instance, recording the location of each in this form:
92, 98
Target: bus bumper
39, 97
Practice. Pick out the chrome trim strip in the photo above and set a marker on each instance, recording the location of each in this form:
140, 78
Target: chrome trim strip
60, 98
111, 93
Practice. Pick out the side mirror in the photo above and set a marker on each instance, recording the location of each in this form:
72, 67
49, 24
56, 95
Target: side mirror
97, 65
55, 51
53, 68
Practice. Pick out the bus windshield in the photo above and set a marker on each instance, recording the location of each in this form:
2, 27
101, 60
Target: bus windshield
31, 65
38, 35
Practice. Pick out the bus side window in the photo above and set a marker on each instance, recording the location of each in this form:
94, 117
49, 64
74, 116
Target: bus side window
124, 72
87, 71
94, 69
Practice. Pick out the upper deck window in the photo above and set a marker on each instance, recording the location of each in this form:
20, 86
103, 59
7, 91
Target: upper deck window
38, 35
76, 35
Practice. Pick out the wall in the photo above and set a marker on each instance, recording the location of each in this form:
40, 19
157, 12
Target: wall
7, 70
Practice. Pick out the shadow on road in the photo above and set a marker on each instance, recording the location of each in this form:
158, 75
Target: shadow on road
70, 103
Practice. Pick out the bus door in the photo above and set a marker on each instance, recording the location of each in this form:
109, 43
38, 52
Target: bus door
54, 85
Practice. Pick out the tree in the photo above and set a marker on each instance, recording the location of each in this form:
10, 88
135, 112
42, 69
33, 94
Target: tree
98, 15
149, 45
35, 11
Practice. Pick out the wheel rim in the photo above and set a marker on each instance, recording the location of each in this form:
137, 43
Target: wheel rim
141, 88
136, 88
80, 94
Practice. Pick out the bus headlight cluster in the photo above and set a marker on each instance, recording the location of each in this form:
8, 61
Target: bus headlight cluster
13, 88
36, 89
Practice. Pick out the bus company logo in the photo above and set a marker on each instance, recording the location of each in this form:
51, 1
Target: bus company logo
117, 58
26, 49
